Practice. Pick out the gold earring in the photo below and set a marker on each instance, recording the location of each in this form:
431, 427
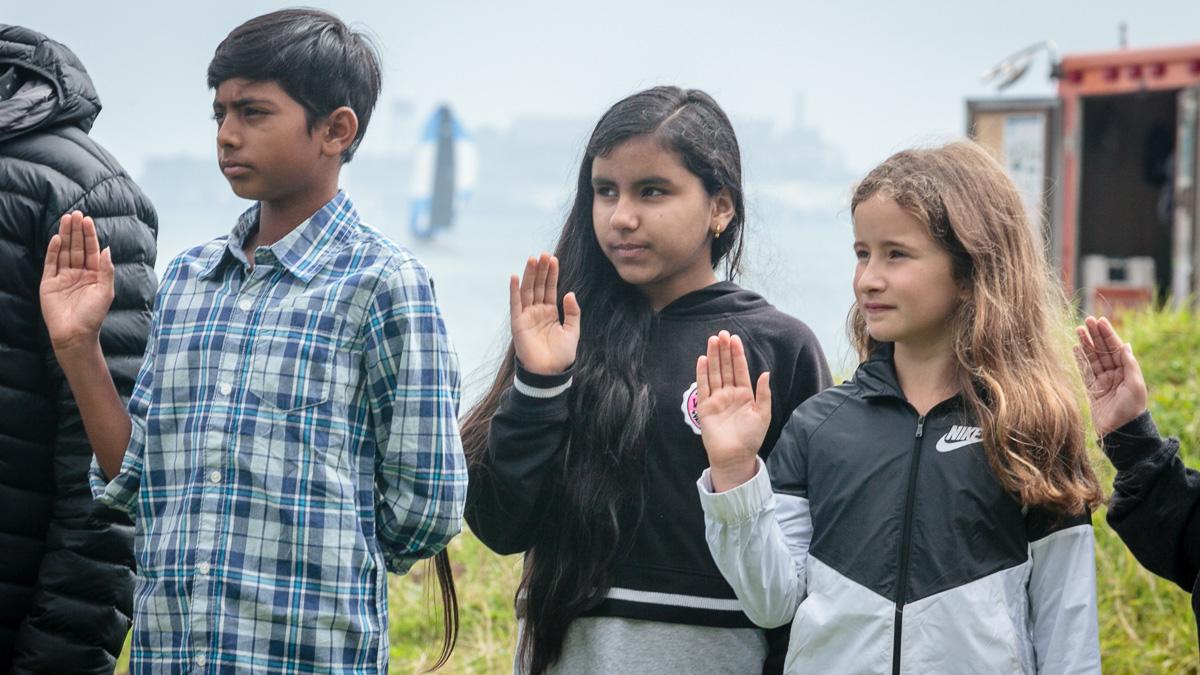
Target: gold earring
718, 234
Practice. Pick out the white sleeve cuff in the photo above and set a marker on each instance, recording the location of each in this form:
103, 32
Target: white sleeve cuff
540, 392
739, 503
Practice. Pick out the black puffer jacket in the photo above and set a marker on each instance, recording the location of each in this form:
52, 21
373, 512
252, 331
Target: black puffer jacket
66, 563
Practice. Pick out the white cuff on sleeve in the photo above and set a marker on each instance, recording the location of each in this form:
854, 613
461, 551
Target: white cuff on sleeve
540, 392
739, 503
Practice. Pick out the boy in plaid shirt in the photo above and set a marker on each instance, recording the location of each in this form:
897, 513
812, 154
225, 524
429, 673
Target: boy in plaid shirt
291, 433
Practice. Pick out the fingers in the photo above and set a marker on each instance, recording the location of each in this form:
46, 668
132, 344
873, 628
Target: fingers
1108, 333
1112, 341
725, 362
571, 312
64, 234
702, 378
1086, 349
762, 393
726, 359
1094, 345
741, 369
1081, 361
713, 361
77, 246
76, 241
527, 282
1087, 370
539, 283
514, 297
1103, 353
551, 292
91, 245
539, 279
1083, 335
50, 267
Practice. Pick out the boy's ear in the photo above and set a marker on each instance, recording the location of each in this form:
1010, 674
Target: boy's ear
337, 131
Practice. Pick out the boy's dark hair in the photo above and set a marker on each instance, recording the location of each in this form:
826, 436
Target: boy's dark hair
312, 56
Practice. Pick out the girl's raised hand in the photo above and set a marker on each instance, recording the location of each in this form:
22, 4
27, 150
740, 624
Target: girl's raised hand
1115, 386
544, 345
733, 421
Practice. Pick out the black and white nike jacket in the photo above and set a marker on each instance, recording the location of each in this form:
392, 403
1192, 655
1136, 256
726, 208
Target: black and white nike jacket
884, 536
668, 573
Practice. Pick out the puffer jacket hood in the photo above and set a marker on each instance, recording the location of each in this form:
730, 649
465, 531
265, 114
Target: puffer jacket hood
72, 97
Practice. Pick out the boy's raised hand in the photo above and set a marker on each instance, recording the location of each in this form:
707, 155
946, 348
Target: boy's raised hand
77, 284
544, 345
1115, 386
733, 421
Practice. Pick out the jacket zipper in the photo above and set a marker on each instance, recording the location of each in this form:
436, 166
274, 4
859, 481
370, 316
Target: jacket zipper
906, 545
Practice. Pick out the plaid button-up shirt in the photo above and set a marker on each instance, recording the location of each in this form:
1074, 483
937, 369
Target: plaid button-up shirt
294, 435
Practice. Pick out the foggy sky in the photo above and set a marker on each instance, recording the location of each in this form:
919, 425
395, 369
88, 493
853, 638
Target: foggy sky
875, 76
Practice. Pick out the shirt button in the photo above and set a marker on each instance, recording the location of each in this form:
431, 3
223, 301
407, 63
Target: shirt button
204, 569
245, 304
225, 388
215, 476
201, 660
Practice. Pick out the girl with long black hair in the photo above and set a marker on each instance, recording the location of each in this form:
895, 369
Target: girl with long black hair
584, 452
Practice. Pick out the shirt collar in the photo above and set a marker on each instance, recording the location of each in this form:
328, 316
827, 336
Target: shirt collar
302, 251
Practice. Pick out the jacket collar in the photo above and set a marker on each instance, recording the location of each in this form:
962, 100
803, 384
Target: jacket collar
876, 379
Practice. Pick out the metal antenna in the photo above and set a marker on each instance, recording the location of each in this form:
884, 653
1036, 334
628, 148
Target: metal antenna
1013, 67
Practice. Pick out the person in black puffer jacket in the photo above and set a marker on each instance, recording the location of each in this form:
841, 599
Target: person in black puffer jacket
66, 563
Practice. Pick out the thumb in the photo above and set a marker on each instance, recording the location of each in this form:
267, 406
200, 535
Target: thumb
1131, 362
571, 312
762, 393
107, 269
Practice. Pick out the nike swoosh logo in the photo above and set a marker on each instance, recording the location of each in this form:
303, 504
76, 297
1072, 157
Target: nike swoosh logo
947, 446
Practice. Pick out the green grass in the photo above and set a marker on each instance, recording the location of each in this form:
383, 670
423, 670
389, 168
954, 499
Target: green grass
486, 583
1146, 623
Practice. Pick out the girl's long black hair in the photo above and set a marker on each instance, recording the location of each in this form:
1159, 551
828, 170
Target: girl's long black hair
599, 484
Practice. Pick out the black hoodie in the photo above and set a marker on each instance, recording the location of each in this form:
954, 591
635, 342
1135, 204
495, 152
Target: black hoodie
1156, 504
66, 563
668, 574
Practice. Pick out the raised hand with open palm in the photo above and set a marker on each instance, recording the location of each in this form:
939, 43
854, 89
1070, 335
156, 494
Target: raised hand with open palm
77, 284
544, 344
76, 291
1115, 386
733, 417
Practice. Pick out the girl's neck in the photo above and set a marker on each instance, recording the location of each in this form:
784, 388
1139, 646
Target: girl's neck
661, 295
927, 373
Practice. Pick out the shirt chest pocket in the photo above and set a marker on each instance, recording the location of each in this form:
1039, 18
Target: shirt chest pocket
292, 363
